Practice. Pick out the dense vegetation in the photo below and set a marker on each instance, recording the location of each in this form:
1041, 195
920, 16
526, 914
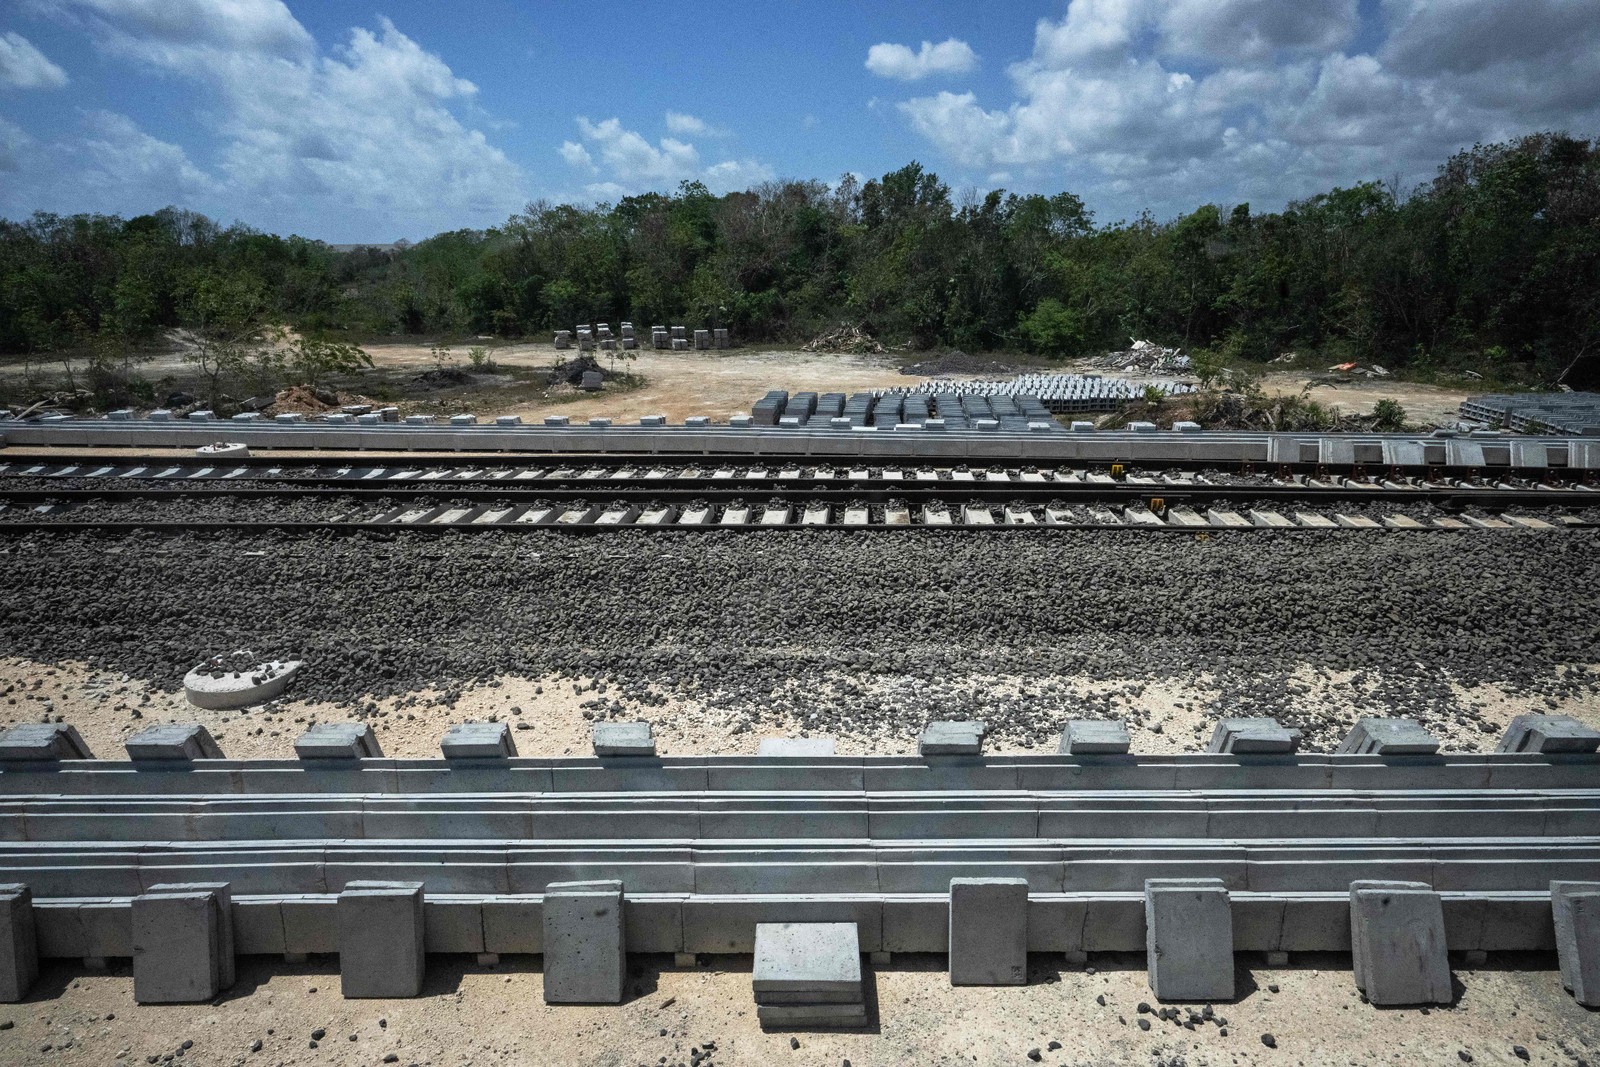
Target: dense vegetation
1493, 264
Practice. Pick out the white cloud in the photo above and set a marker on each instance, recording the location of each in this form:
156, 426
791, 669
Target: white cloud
23, 66
901, 63
1171, 103
631, 164
365, 135
689, 126
108, 165
14, 141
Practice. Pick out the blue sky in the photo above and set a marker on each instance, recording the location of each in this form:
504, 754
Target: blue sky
397, 118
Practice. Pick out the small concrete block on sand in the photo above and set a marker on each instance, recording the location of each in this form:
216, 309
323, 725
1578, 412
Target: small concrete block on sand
42, 741
796, 746
338, 740
988, 931
1253, 735
173, 741
623, 739
1548, 733
1189, 939
381, 939
182, 943
478, 740
19, 947
1398, 937
951, 739
585, 956
1095, 737
1576, 909
1389, 737
822, 961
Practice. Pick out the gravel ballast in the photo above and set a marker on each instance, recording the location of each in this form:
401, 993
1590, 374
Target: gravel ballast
840, 631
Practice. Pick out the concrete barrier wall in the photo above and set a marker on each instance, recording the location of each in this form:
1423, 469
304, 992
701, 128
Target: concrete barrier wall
1059, 922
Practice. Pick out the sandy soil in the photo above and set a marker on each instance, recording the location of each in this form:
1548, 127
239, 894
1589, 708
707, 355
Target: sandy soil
1424, 404
471, 1015
549, 716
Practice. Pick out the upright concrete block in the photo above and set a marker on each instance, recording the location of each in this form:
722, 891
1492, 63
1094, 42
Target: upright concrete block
796, 746
1087, 737
1401, 939
338, 740
1575, 907
988, 931
182, 942
381, 939
955, 738
1359, 960
1253, 736
478, 740
1549, 733
1189, 938
585, 954
1389, 737
623, 739
19, 947
42, 741
173, 741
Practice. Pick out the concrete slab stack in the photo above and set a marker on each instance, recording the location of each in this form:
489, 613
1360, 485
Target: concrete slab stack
173, 741
182, 934
623, 739
1389, 737
478, 740
1575, 909
585, 950
702, 340
1189, 939
381, 939
1549, 733
19, 947
720, 338
1256, 736
660, 338
1397, 937
988, 931
338, 740
956, 738
1095, 737
32, 741
563, 339
808, 975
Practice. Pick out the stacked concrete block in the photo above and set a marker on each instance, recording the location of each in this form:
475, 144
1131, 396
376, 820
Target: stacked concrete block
120, 415
585, 950
42, 741
680, 333
1549, 733
478, 740
988, 931
557, 420
19, 946
173, 741
182, 942
659, 337
1189, 938
1091, 737
1254, 736
623, 739
338, 740
1397, 943
508, 420
608, 344
381, 938
808, 974
720, 338
702, 339
585, 340
563, 339
161, 415
958, 738
1389, 737
1575, 907
463, 420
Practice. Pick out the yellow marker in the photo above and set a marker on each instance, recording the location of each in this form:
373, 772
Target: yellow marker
1158, 503
1116, 470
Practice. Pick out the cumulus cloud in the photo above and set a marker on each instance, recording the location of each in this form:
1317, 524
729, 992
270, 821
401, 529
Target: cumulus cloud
901, 63
629, 163
366, 134
1169, 103
108, 164
689, 126
23, 66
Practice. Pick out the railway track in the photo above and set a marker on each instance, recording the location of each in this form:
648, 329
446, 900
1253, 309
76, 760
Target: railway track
38, 493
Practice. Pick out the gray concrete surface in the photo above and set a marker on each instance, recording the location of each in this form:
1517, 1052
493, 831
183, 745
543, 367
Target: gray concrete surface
1549, 733
173, 741
988, 931
338, 740
585, 947
623, 739
1092, 737
42, 741
1389, 737
1576, 915
1253, 736
19, 948
963, 738
796, 746
182, 943
1401, 944
478, 740
381, 934
1189, 939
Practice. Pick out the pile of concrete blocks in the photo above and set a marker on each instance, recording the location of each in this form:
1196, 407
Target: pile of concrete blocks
1389, 737
563, 338
31, 741
1254, 736
585, 339
629, 340
808, 975
338, 740
680, 339
1549, 733
702, 339
1092, 737
963, 738
720, 338
659, 337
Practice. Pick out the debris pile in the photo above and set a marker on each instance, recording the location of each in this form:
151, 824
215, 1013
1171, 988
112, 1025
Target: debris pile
855, 340
1145, 356
572, 372
1357, 370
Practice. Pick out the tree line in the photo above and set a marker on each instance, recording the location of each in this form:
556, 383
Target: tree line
1495, 263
